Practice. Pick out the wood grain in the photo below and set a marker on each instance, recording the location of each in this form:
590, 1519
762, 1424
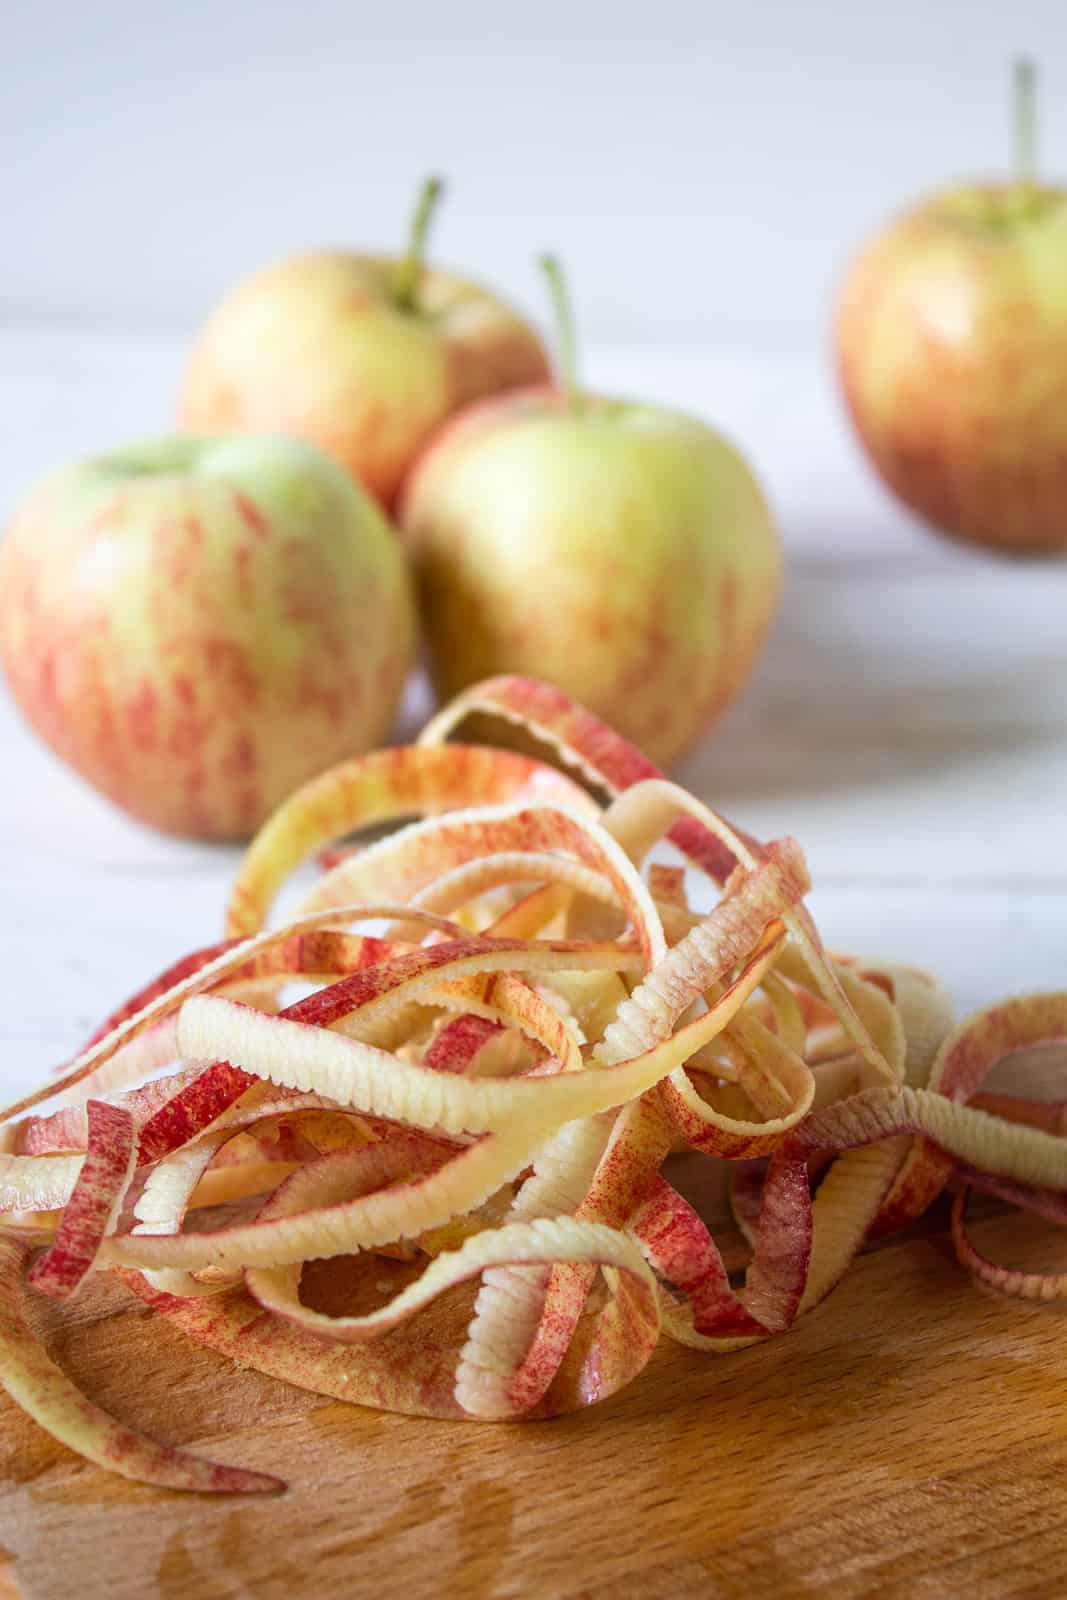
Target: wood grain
908, 1439
908, 723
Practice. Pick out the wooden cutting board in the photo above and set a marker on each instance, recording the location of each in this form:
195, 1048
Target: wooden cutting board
909, 1439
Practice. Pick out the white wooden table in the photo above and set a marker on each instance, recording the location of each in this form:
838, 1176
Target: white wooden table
908, 722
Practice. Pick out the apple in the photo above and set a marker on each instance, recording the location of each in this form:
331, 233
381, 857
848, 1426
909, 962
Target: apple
623, 551
365, 355
952, 349
199, 625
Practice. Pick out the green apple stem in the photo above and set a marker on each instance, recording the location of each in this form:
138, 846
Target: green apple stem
1025, 97
406, 283
566, 344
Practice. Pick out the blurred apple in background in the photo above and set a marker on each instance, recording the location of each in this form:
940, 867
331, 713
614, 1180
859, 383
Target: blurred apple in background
365, 355
623, 551
197, 626
952, 345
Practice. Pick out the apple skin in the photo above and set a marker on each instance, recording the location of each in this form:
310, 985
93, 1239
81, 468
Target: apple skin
198, 626
317, 346
952, 350
623, 552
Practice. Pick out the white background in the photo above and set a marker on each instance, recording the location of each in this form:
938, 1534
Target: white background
705, 166
704, 169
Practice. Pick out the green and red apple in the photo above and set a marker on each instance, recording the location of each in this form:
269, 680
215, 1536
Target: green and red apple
952, 349
623, 551
197, 626
365, 355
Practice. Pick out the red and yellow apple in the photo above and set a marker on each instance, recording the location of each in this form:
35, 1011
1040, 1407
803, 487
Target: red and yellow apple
365, 355
952, 349
197, 626
623, 551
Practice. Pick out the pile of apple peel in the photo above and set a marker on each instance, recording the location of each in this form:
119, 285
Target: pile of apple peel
510, 1016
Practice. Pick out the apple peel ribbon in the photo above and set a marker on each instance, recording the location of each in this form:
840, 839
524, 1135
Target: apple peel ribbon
516, 1015
42, 1389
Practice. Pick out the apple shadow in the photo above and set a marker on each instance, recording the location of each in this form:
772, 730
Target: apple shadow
879, 673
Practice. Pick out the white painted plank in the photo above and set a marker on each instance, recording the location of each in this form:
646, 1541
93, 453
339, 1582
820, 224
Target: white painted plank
908, 729
908, 723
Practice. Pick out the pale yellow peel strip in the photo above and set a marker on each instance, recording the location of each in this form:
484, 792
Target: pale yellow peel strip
81, 1071
523, 1111
43, 1390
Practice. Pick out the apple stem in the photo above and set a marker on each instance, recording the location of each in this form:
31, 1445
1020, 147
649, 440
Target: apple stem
1024, 97
566, 344
406, 282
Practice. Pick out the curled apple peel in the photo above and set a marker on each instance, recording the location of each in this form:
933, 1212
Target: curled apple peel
482, 1093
